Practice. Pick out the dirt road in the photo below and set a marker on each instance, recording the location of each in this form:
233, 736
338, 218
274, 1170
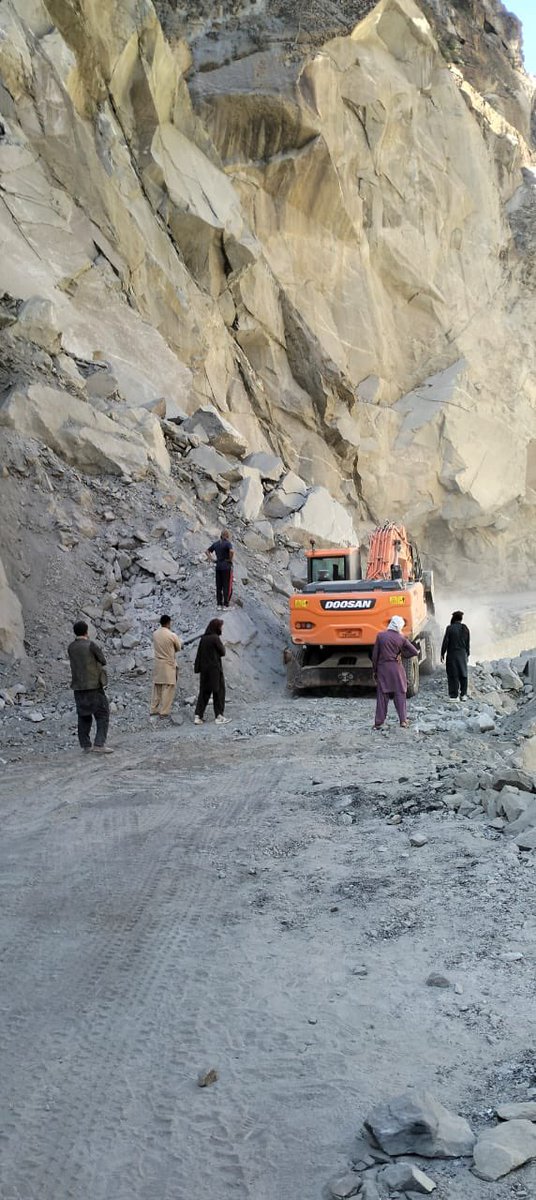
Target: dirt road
236, 898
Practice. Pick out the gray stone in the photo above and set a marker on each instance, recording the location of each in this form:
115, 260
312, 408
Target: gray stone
512, 777
403, 1176
526, 821
259, 537
346, 1185
503, 1148
416, 1123
512, 803
238, 628
212, 463
158, 562
129, 641
34, 715
249, 498
269, 466
206, 490
526, 840
497, 824
287, 498
38, 322
418, 839
509, 679
437, 980
209, 425
525, 1111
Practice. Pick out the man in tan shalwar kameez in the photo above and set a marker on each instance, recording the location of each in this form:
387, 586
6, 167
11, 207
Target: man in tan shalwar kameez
166, 644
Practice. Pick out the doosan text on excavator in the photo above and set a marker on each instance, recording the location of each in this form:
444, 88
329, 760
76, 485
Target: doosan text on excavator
336, 618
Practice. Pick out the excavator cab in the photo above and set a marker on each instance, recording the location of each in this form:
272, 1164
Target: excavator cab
333, 566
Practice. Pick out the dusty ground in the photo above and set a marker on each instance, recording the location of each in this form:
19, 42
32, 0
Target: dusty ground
196, 901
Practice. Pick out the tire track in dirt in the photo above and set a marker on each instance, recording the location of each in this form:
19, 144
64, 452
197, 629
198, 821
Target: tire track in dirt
88, 1059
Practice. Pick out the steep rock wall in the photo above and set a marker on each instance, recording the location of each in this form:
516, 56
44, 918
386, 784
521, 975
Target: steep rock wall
330, 242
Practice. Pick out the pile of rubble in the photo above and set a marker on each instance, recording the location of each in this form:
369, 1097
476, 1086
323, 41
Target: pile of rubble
417, 1124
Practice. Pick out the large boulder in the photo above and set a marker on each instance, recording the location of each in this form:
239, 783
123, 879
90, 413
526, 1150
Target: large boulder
269, 466
238, 628
210, 462
210, 427
249, 497
324, 518
84, 436
287, 498
11, 620
259, 537
416, 1123
158, 562
38, 322
503, 1148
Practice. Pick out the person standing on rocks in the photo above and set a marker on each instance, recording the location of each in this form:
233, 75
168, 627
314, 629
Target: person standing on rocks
209, 666
456, 647
223, 557
88, 680
390, 648
166, 645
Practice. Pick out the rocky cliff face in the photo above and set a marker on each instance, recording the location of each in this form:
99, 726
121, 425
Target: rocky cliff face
323, 229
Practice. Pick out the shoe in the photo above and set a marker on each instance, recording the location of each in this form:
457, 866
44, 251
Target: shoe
453, 699
87, 749
463, 699
404, 724
198, 720
221, 721
102, 750
377, 728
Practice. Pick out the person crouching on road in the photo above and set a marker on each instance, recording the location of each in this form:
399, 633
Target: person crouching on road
456, 646
88, 680
209, 666
165, 644
224, 555
390, 648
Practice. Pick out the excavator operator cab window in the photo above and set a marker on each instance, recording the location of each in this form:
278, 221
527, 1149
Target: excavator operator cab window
328, 570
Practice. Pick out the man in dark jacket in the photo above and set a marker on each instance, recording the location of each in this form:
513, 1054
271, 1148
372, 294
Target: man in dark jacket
456, 647
224, 554
208, 665
87, 681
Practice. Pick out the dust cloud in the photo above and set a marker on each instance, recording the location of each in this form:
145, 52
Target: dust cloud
502, 624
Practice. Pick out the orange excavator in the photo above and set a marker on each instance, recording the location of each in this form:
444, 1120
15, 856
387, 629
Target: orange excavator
336, 618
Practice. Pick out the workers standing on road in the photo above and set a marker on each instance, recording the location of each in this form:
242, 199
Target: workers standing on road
165, 644
223, 556
456, 646
88, 680
209, 666
390, 648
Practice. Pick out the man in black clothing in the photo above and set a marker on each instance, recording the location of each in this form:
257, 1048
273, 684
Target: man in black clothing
88, 679
224, 554
456, 646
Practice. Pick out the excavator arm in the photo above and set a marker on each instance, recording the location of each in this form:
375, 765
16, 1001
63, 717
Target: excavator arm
391, 555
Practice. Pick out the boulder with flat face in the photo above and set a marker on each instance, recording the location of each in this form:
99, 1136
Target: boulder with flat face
209, 425
503, 1148
83, 435
287, 497
322, 517
269, 466
416, 1123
